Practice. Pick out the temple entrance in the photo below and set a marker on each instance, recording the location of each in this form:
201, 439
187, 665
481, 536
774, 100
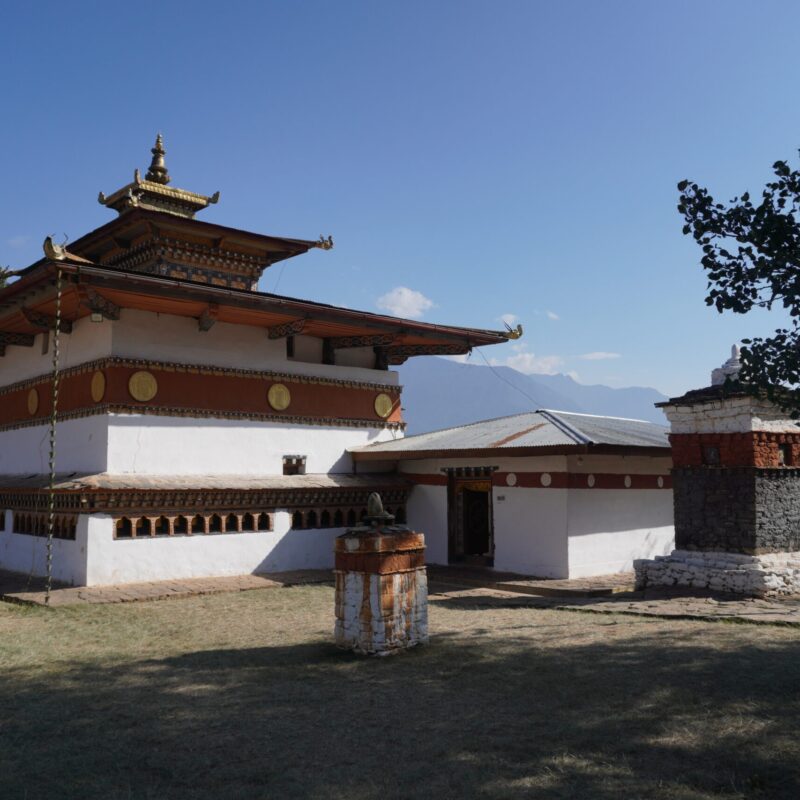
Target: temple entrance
471, 539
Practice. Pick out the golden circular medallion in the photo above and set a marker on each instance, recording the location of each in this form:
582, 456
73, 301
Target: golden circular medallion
279, 396
142, 386
33, 401
383, 405
98, 386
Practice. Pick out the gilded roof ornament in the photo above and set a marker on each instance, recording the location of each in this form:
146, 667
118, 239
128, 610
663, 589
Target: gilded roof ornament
513, 333
158, 169
325, 244
53, 251
152, 192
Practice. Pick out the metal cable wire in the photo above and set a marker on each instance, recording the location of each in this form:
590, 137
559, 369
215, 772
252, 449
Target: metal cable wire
51, 519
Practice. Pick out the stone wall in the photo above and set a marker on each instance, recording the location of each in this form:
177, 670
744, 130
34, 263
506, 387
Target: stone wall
738, 510
755, 576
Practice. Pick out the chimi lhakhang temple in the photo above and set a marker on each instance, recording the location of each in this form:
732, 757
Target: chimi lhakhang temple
194, 412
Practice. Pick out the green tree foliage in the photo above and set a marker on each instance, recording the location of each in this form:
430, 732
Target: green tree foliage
751, 255
4, 273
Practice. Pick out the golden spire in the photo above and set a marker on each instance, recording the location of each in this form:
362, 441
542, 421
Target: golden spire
158, 169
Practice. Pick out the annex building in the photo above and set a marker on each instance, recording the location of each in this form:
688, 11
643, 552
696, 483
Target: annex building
546, 493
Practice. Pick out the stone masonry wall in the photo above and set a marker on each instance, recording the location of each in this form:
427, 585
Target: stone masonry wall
777, 510
715, 509
737, 509
734, 573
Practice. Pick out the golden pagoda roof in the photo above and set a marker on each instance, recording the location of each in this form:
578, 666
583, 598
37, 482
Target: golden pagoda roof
153, 193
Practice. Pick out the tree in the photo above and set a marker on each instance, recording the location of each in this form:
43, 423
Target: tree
751, 255
4, 275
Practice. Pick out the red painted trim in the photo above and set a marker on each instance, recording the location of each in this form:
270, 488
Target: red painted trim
426, 480
558, 480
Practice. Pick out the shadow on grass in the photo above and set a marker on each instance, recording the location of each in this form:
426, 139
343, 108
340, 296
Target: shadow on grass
646, 717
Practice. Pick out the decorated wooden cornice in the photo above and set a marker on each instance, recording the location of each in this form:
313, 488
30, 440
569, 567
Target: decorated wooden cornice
17, 339
401, 353
156, 502
46, 322
96, 303
293, 328
343, 342
207, 320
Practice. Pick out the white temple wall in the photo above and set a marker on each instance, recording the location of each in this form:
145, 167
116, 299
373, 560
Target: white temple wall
28, 554
609, 528
426, 512
87, 342
530, 531
190, 446
81, 446
115, 561
166, 337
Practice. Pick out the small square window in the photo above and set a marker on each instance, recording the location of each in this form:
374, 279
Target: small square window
711, 456
785, 455
294, 465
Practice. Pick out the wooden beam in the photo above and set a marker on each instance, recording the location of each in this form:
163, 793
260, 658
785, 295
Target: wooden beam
287, 329
18, 339
401, 353
45, 322
378, 340
207, 320
96, 303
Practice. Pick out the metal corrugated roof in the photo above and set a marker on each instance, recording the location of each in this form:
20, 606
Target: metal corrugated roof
534, 429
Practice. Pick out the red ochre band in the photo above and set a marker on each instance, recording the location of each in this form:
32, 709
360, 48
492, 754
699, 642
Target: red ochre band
747, 449
202, 391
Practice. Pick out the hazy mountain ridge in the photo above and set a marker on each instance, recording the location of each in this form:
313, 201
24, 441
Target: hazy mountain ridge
440, 393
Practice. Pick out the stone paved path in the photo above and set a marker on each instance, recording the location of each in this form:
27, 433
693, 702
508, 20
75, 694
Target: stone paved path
650, 603
14, 588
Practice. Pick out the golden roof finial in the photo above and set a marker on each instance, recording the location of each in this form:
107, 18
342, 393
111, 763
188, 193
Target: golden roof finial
158, 169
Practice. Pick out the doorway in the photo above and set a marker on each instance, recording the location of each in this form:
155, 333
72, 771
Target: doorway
471, 534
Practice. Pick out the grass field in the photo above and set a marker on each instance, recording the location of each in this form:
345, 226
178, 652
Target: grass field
243, 696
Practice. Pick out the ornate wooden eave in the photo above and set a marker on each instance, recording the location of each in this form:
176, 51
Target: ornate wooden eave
143, 494
89, 286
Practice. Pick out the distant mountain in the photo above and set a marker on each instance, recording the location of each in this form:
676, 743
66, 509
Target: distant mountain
440, 393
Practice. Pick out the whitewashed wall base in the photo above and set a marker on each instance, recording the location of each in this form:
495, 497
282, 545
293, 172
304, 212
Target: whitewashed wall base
381, 614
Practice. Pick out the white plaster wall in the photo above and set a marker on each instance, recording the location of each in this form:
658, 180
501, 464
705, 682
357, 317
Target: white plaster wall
732, 415
191, 446
28, 554
426, 512
609, 528
81, 446
165, 337
130, 560
356, 357
530, 531
87, 342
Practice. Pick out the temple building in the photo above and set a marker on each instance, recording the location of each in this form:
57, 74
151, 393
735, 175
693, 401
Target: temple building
203, 427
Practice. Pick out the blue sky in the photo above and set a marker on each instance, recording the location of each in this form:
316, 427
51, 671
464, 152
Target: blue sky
492, 158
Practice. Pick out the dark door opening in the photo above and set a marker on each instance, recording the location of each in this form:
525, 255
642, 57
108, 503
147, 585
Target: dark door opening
470, 521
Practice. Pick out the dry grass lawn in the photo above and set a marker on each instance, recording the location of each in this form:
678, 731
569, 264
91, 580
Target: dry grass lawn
243, 696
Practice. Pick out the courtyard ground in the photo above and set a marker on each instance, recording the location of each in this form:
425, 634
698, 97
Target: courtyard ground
242, 695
